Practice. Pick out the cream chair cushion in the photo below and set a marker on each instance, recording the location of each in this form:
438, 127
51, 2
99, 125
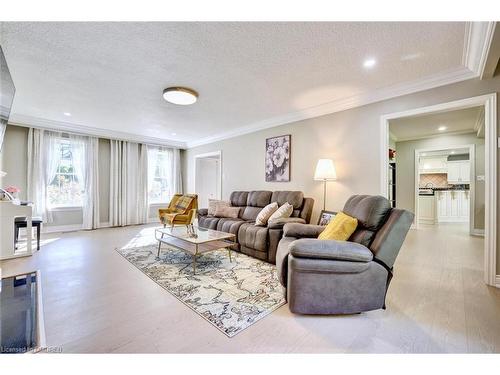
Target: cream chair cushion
266, 213
214, 203
282, 213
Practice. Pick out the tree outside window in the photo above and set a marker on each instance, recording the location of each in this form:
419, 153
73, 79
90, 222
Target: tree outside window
65, 189
159, 181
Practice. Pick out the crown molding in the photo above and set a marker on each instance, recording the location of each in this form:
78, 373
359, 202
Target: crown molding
442, 79
435, 135
477, 42
36, 122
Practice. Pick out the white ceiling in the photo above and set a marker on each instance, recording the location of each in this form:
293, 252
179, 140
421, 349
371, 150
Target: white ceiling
459, 121
110, 76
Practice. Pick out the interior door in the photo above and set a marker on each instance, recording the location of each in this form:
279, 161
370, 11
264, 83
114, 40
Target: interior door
207, 180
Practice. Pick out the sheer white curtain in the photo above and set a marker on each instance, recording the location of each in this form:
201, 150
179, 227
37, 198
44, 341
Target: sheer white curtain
43, 160
52, 142
152, 160
128, 183
36, 173
91, 218
142, 188
170, 167
115, 184
177, 171
85, 151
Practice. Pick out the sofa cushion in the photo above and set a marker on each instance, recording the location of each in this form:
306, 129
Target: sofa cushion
340, 228
222, 211
266, 213
229, 225
295, 198
238, 198
209, 222
250, 213
214, 203
253, 237
282, 213
259, 198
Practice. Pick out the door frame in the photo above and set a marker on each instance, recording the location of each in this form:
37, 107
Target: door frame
206, 155
472, 174
489, 101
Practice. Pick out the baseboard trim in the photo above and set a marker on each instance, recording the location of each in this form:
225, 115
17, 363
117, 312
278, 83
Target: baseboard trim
497, 281
61, 228
477, 232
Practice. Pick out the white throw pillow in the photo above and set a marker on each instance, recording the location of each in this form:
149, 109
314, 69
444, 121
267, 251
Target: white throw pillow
214, 203
266, 213
282, 213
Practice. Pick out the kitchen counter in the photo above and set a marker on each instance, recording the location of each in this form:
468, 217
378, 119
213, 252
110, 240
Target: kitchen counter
434, 190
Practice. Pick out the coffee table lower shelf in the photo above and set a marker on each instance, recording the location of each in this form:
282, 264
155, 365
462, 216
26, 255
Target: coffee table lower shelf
195, 249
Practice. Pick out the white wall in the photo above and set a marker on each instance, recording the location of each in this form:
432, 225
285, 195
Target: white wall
352, 138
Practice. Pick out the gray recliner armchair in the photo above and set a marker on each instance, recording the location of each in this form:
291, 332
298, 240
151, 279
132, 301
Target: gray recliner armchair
343, 277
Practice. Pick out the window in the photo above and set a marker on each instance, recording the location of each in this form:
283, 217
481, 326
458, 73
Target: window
159, 175
65, 187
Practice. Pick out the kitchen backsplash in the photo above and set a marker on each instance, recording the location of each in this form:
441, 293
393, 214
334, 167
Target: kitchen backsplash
438, 180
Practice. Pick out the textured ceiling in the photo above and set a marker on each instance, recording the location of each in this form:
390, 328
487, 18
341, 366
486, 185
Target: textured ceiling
462, 120
111, 75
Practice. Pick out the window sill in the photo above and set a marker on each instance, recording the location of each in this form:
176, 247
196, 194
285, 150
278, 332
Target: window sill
66, 208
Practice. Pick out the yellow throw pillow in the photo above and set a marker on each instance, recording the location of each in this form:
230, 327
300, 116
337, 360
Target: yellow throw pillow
340, 228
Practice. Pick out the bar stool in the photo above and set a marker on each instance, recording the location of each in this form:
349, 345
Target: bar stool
21, 222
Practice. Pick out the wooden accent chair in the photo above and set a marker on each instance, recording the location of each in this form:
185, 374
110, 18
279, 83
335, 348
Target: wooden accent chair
181, 210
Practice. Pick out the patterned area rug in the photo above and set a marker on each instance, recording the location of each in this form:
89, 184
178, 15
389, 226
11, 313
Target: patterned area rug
230, 295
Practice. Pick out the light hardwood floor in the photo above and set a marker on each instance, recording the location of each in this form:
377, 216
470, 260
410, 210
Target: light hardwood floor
96, 301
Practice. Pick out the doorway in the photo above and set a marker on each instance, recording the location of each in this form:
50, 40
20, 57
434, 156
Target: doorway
208, 177
488, 178
445, 185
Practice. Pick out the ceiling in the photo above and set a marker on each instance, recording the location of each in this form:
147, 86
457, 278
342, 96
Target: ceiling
109, 76
459, 121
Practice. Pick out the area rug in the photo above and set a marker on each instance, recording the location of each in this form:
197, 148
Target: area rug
230, 295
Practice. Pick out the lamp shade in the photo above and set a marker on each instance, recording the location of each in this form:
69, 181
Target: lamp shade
325, 170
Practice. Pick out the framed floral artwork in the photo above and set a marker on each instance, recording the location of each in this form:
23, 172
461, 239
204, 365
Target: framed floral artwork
278, 158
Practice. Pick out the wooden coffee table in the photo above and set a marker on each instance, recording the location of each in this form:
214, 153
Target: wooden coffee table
194, 240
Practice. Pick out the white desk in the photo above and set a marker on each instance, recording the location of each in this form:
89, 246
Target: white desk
9, 210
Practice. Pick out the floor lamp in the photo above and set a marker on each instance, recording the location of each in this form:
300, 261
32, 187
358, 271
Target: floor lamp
325, 171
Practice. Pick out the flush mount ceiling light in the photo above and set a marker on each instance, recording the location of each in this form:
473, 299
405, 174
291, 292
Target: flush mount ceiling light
369, 63
442, 128
67, 114
180, 95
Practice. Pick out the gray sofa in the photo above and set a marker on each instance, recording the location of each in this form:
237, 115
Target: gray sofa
343, 277
258, 241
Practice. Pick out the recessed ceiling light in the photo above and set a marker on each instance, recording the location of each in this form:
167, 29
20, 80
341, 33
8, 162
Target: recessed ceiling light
180, 95
452, 152
67, 114
442, 128
174, 133
369, 63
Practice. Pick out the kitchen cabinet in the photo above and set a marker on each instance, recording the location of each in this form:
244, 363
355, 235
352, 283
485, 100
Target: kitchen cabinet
452, 206
459, 172
426, 209
434, 164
